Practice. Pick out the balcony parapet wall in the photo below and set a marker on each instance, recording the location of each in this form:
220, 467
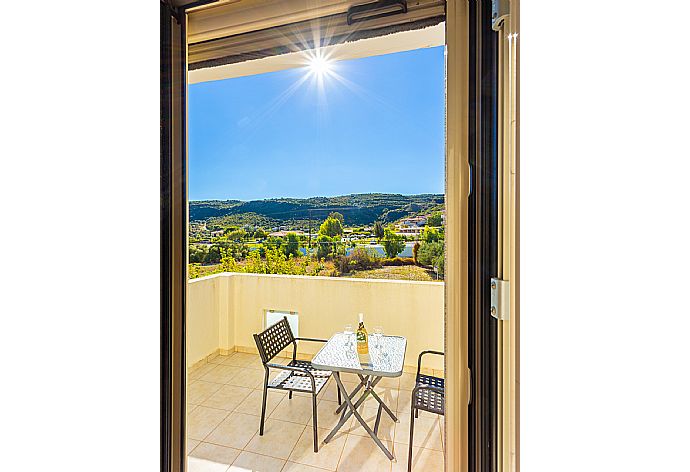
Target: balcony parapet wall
224, 310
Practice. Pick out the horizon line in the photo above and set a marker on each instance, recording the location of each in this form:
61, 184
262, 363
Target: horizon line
315, 196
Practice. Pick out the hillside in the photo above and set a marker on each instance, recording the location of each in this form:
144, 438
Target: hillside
358, 209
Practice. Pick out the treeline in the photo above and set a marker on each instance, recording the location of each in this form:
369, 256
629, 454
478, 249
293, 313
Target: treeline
358, 209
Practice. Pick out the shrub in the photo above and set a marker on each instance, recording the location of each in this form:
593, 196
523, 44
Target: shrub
439, 264
214, 254
415, 250
239, 251
291, 245
393, 243
378, 230
360, 258
398, 261
431, 235
324, 246
272, 242
197, 254
428, 252
237, 235
194, 271
435, 219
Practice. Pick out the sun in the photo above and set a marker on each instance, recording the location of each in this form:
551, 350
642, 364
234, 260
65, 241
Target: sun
319, 66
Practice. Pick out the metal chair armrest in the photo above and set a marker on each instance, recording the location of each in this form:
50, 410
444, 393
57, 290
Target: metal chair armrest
294, 344
419, 360
312, 339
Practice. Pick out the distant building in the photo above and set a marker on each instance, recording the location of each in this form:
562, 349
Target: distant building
282, 234
409, 231
413, 222
217, 233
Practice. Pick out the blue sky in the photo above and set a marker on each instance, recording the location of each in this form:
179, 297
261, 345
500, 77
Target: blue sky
382, 130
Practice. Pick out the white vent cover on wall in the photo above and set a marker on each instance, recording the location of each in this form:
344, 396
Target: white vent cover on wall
273, 316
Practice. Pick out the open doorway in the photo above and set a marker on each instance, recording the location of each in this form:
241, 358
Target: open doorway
199, 44
317, 192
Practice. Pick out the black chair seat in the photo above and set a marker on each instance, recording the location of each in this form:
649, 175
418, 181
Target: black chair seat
429, 400
299, 381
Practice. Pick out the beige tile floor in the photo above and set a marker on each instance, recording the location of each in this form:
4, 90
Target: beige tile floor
223, 418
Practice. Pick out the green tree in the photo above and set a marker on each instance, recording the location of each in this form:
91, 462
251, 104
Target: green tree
378, 230
415, 252
273, 242
338, 216
331, 227
393, 243
197, 253
214, 254
431, 235
439, 264
324, 246
429, 253
228, 263
238, 251
291, 245
435, 219
237, 235
260, 234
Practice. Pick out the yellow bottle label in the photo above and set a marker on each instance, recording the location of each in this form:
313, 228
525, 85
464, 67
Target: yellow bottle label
362, 340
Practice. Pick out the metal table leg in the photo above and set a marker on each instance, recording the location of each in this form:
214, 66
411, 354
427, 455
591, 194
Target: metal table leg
362, 383
385, 407
353, 411
346, 411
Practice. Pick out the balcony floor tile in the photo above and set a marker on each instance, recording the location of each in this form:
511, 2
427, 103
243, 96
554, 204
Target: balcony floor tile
228, 397
328, 455
278, 440
235, 431
248, 461
203, 420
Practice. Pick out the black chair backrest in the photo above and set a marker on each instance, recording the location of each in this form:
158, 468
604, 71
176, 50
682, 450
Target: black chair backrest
274, 339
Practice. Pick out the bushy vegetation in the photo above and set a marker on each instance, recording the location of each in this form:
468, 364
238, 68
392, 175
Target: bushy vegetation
435, 219
290, 246
398, 261
392, 243
360, 258
431, 235
432, 255
331, 227
275, 262
378, 230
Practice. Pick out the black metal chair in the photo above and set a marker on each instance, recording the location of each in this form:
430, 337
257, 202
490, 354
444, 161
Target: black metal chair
297, 376
428, 395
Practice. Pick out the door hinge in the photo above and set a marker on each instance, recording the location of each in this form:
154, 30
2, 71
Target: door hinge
500, 298
500, 10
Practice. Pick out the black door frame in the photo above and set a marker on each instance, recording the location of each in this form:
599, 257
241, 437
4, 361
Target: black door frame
483, 236
482, 227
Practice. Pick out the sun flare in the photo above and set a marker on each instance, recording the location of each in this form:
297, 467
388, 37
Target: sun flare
319, 66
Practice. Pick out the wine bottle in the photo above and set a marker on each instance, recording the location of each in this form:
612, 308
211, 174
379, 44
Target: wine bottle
362, 337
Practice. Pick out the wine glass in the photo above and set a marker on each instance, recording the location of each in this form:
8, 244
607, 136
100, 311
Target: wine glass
349, 332
378, 335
